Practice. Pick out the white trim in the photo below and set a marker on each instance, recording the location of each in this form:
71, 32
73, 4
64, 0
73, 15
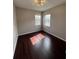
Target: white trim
56, 36
28, 33
14, 45
44, 31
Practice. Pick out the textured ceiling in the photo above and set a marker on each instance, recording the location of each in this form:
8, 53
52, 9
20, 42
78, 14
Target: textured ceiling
29, 4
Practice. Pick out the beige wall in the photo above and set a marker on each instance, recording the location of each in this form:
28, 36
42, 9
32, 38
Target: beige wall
26, 21
58, 21
15, 32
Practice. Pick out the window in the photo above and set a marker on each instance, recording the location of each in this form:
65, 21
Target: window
47, 20
37, 19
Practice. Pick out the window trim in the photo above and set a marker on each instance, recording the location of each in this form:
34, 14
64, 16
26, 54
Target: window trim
37, 24
45, 21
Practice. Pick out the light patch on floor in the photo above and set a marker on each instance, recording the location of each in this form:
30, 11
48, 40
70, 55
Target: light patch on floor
35, 39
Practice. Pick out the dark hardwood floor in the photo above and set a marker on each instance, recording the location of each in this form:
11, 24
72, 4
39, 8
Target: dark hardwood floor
48, 48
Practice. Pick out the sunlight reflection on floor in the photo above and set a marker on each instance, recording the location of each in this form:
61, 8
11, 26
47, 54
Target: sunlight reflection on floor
37, 38
40, 40
41, 44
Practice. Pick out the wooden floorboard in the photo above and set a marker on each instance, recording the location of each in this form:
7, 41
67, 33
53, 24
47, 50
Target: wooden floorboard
48, 48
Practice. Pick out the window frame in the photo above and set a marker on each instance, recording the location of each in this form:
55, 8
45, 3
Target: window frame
38, 23
49, 20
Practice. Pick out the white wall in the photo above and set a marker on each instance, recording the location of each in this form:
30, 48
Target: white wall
26, 21
15, 33
58, 21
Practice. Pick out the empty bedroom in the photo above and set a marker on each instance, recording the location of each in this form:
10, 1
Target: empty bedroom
39, 29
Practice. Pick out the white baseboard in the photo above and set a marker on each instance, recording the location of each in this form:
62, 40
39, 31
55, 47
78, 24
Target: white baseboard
14, 45
59, 37
56, 36
28, 33
45, 31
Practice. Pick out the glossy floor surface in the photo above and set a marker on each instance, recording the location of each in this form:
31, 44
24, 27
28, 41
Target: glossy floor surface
49, 47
